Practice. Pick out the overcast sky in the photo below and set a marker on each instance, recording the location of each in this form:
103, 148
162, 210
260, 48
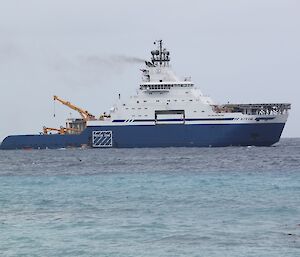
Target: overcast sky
236, 50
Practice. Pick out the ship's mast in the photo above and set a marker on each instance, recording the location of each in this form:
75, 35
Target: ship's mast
161, 55
160, 51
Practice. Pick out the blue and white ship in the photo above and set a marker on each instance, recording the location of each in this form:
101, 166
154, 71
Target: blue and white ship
166, 112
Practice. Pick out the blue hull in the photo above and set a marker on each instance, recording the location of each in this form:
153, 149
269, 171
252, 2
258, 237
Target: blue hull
171, 135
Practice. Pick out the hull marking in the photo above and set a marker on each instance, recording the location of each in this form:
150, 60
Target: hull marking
102, 138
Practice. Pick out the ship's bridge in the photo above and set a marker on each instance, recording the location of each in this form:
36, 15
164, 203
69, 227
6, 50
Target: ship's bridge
158, 70
164, 86
158, 75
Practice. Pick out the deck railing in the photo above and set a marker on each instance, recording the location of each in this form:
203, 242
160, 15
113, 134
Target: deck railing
254, 109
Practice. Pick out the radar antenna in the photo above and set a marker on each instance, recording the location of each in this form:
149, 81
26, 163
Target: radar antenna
161, 55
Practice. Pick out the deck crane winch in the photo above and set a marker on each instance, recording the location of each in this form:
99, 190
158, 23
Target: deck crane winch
83, 113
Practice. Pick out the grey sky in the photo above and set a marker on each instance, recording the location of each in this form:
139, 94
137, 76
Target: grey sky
237, 51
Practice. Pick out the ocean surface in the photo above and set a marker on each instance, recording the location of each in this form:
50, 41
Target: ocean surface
232, 201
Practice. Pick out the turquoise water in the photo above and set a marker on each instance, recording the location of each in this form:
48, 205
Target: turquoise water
234, 201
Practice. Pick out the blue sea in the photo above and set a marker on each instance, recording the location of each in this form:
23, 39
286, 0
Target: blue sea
232, 201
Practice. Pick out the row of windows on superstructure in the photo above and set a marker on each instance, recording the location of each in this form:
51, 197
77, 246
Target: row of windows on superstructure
151, 93
164, 86
139, 115
168, 101
136, 108
147, 108
146, 115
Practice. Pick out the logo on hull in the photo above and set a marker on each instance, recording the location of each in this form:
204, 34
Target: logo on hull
102, 138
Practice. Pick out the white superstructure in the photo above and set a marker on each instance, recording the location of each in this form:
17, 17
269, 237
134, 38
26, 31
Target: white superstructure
161, 91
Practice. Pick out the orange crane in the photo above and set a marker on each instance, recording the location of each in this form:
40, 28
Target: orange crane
60, 130
83, 113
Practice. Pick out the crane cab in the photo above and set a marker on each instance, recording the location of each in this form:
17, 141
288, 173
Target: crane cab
75, 126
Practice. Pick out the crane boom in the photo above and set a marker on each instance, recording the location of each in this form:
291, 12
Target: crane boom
60, 130
83, 113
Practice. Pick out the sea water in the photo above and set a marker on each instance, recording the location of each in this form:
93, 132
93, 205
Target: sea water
232, 201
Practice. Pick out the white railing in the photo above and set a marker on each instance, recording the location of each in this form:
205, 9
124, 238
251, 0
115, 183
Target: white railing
254, 109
